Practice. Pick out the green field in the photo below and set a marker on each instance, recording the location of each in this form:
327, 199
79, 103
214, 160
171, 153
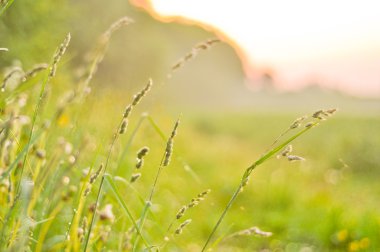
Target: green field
328, 202
55, 134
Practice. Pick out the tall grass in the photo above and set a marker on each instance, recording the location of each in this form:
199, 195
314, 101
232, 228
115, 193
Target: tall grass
62, 193
318, 116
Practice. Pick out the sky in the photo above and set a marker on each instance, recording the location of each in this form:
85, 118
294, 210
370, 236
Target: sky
333, 43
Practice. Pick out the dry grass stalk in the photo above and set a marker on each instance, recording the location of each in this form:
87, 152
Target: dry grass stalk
165, 161
93, 179
22, 76
56, 58
11, 73
58, 54
194, 202
295, 124
136, 99
35, 69
201, 196
194, 51
295, 158
116, 26
100, 51
251, 231
319, 115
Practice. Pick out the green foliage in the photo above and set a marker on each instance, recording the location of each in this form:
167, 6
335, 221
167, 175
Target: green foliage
53, 138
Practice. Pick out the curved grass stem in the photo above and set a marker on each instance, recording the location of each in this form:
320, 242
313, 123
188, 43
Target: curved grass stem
246, 175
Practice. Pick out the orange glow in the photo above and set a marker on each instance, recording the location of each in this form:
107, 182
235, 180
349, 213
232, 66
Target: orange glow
148, 6
336, 43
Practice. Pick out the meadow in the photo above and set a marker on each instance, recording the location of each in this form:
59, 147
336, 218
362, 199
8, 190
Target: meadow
94, 168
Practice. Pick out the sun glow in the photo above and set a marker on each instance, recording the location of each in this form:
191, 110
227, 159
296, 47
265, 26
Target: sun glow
334, 42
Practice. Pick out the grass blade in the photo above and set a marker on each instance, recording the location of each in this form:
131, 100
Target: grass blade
246, 174
122, 203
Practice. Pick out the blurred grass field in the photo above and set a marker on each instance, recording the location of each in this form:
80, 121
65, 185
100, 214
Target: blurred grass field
329, 202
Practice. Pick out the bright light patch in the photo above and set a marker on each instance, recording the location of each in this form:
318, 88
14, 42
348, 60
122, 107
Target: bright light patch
337, 41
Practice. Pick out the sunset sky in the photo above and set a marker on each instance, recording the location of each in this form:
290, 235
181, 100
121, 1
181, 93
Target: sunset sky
333, 43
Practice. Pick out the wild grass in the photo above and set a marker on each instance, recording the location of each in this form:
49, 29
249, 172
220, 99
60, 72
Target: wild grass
67, 183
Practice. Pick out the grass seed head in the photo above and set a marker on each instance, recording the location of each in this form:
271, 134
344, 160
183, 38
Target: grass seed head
174, 132
167, 159
180, 228
288, 149
128, 110
295, 158
297, 122
140, 155
193, 203
200, 197
142, 152
181, 212
116, 26
106, 213
139, 163
96, 174
32, 72
169, 144
204, 193
87, 191
322, 114
193, 53
310, 124
14, 71
123, 126
253, 231
135, 177
257, 231
331, 111
58, 54
137, 97
41, 153
317, 114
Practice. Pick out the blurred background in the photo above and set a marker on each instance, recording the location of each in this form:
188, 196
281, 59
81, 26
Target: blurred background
277, 61
263, 63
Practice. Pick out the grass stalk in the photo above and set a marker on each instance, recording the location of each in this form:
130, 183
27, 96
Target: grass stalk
50, 74
129, 143
164, 162
115, 137
119, 130
248, 172
124, 207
